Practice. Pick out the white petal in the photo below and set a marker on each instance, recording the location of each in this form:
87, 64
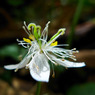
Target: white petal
66, 63
69, 64
39, 68
20, 65
11, 67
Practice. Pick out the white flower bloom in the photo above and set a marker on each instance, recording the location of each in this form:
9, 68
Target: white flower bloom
40, 51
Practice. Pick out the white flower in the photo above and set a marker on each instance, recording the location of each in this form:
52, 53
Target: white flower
40, 51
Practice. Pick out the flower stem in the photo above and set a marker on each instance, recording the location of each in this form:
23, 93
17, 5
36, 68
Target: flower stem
38, 88
75, 21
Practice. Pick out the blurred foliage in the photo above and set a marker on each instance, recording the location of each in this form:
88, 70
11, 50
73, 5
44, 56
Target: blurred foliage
61, 13
82, 89
12, 51
15, 2
6, 76
75, 21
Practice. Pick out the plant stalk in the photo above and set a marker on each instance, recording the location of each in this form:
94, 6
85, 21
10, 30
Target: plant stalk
38, 88
75, 21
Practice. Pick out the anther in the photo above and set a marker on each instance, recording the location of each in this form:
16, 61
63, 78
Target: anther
66, 68
63, 59
23, 27
27, 40
54, 43
53, 75
74, 49
77, 51
16, 70
24, 23
26, 67
17, 40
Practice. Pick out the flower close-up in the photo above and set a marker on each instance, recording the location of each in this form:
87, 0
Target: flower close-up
41, 51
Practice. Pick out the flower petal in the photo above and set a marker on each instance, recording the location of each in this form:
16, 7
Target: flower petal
20, 65
39, 68
69, 64
66, 63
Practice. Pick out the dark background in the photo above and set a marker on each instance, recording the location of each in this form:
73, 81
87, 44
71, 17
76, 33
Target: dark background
77, 16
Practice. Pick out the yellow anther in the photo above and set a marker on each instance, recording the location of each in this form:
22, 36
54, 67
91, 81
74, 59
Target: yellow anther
54, 43
31, 37
27, 40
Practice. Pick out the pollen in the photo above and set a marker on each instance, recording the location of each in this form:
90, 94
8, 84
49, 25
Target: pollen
54, 43
27, 40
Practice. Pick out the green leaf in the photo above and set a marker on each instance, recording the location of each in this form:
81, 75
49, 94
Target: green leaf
11, 51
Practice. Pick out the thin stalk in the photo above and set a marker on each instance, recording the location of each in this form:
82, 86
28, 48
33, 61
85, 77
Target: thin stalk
75, 21
38, 88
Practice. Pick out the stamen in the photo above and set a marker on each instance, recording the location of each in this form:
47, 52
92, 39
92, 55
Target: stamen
25, 29
24, 23
49, 57
74, 49
63, 59
66, 68
73, 57
27, 67
53, 75
18, 40
48, 23
54, 43
16, 70
77, 51
31, 37
27, 40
